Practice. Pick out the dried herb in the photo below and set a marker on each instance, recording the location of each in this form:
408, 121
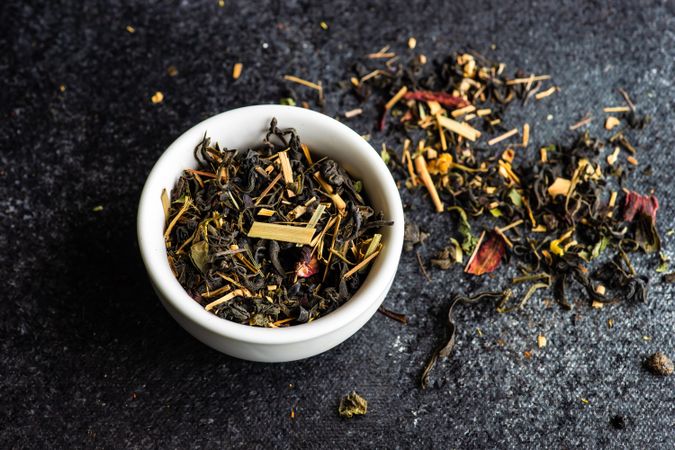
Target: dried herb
446, 349
270, 236
563, 218
393, 315
412, 235
352, 404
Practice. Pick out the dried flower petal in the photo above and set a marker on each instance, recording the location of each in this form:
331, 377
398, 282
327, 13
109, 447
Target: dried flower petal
488, 255
443, 98
636, 204
308, 264
440, 165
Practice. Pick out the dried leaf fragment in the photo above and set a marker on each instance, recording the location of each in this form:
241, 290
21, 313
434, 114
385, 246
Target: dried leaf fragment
352, 404
236, 71
560, 186
611, 122
157, 97
200, 255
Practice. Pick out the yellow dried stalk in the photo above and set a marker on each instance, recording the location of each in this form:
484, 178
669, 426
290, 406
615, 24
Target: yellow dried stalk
464, 130
166, 204
266, 212
461, 111
285, 233
308, 155
546, 93
399, 95
337, 200
221, 300
502, 137
186, 205
528, 79
362, 264
236, 70
267, 190
423, 172
616, 109
298, 80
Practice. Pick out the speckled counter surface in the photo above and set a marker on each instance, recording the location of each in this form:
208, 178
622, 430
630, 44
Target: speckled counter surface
89, 358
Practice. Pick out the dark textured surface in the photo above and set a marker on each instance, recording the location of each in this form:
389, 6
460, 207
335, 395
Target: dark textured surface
88, 357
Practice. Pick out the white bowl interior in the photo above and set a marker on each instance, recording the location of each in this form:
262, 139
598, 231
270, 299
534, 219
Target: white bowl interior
243, 128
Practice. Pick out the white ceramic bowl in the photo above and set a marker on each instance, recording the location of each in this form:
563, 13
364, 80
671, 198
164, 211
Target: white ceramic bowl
242, 128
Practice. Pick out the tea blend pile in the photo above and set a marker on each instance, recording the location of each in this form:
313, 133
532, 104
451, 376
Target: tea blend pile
271, 236
561, 214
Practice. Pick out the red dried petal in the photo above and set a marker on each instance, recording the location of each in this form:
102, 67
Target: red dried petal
636, 204
441, 97
383, 120
305, 269
488, 256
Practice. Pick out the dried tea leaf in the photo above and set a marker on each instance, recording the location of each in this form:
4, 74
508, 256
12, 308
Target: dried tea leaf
646, 234
600, 247
352, 404
199, 252
516, 198
385, 155
469, 241
664, 263
446, 349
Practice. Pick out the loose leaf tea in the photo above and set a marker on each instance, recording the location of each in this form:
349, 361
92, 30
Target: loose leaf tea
560, 214
352, 404
270, 236
445, 350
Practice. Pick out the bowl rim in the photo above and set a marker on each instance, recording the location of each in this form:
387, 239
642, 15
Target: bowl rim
375, 284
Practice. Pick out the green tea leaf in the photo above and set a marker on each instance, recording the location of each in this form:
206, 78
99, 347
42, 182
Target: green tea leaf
358, 186
458, 255
385, 156
181, 199
515, 197
664, 263
646, 234
199, 252
599, 247
287, 101
496, 212
469, 241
